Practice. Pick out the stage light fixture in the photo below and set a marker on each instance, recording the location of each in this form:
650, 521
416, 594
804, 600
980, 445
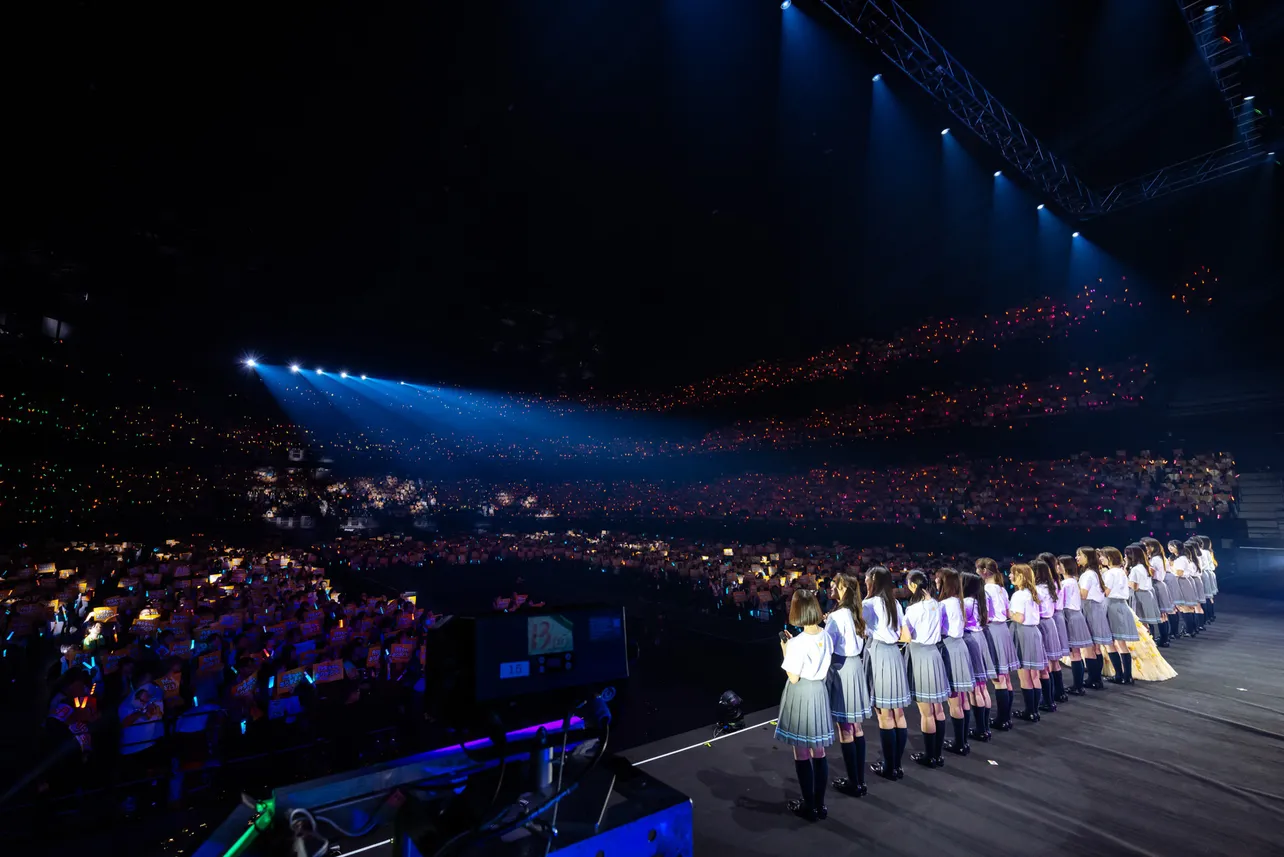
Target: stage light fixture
1249, 97
363, 377
877, 78
320, 371
250, 363
946, 131
294, 367
1039, 207
730, 714
998, 173
785, 5
343, 374
1074, 234
1212, 8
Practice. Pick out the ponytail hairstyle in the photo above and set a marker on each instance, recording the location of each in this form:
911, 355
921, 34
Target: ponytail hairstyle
974, 588
1136, 555
922, 586
1022, 577
1113, 557
851, 599
1087, 558
988, 568
1068, 567
951, 584
1052, 582
882, 587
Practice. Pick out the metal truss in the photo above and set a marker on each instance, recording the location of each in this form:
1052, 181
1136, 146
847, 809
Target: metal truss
901, 39
1221, 43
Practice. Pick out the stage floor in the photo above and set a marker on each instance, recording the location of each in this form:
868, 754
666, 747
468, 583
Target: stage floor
1193, 765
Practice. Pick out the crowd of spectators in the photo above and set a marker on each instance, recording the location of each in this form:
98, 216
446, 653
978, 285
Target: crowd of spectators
1081, 491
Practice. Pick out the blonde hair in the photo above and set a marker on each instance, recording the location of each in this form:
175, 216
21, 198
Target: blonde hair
1022, 577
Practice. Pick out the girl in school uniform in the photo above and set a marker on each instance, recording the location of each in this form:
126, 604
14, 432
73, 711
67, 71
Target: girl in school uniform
1208, 564
981, 651
1046, 588
1144, 603
1023, 616
949, 587
1181, 568
805, 721
1191, 550
1114, 580
849, 682
1094, 611
1000, 637
1078, 637
929, 680
1163, 596
890, 684
1059, 620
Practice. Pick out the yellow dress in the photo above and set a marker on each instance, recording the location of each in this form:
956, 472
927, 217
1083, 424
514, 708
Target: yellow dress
1147, 663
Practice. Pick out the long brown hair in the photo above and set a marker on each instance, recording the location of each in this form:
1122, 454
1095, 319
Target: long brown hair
1069, 568
1087, 558
1113, 557
1153, 549
974, 588
881, 586
851, 599
1191, 551
1043, 574
1026, 580
951, 586
1050, 560
1135, 554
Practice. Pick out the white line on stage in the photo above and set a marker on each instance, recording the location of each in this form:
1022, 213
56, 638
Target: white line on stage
704, 743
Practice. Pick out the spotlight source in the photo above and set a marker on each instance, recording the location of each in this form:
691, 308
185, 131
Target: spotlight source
786, 4
998, 173
250, 362
946, 131
1212, 8
1074, 234
320, 371
363, 377
294, 367
877, 78
1249, 97
343, 374
1039, 207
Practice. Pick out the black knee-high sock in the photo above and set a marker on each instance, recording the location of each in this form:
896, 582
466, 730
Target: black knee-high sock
1190, 623
806, 780
1163, 633
938, 742
981, 716
1031, 697
1046, 685
958, 723
1005, 705
858, 772
1058, 682
1211, 608
1127, 665
902, 738
887, 738
850, 762
1076, 671
1173, 626
1101, 667
820, 778
967, 714
1117, 664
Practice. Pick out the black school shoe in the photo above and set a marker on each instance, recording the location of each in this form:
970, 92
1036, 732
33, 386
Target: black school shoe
804, 810
849, 788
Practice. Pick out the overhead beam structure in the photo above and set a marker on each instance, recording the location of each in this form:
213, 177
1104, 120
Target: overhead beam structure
1220, 41
900, 38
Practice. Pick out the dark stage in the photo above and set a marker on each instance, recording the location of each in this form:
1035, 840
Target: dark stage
1194, 765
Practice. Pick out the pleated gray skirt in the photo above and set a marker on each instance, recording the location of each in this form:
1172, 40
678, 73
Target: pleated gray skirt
1185, 596
1029, 645
1005, 652
978, 649
805, 719
1063, 636
1210, 583
1145, 606
849, 689
887, 676
958, 663
929, 680
1051, 639
1098, 623
1164, 597
1198, 580
1077, 634
1122, 627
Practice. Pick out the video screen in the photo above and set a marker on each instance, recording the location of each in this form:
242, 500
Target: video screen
519, 654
